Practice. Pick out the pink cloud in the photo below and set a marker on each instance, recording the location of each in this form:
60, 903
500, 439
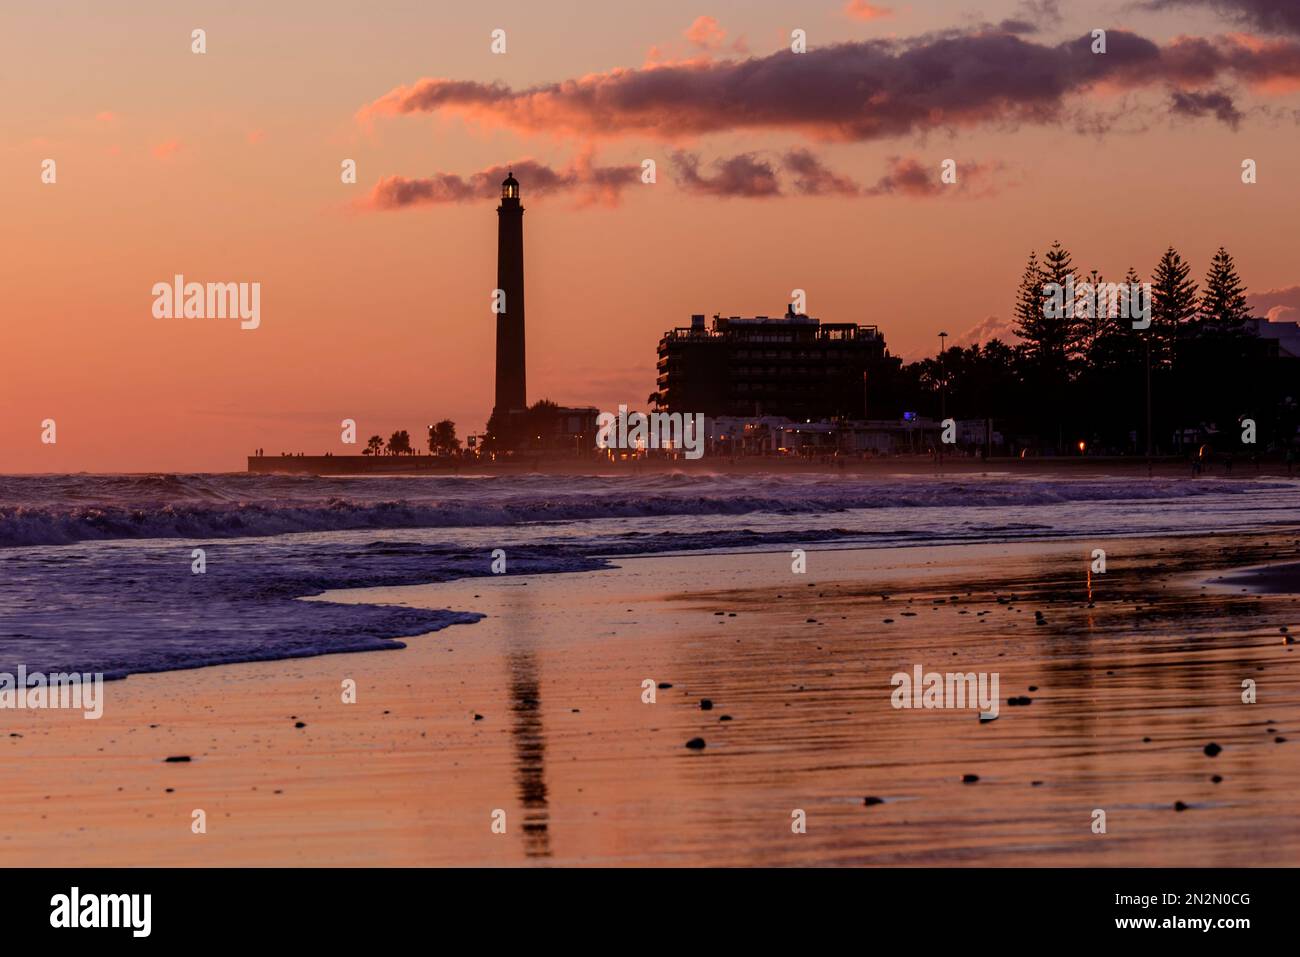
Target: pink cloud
706, 33
861, 10
166, 149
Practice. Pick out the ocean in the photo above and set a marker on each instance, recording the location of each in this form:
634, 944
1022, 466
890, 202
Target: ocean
96, 571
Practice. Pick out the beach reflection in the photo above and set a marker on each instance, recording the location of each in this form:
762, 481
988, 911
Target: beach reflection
528, 736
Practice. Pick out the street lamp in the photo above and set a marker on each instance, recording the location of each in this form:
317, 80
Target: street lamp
943, 395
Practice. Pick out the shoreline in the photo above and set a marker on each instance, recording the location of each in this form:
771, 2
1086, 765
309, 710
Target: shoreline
537, 710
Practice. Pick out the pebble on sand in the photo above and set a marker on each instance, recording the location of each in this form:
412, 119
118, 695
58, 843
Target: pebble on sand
300, 724
1020, 700
178, 758
869, 801
969, 778
1180, 806
1212, 749
695, 744
706, 704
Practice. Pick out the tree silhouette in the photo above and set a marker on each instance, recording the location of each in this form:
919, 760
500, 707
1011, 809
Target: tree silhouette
1224, 301
442, 438
399, 443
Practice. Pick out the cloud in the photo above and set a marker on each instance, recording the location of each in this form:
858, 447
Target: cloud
1194, 104
752, 175
589, 183
855, 91
812, 178
986, 330
1271, 16
908, 176
706, 33
1279, 305
861, 10
166, 149
743, 175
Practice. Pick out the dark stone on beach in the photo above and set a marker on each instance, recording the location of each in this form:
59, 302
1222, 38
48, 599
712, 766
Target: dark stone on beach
725, 717
178, 758
300, 724
478, 717
888, 621
1020, 700
664, 684
706, 704
1033, 687
812, 621
695, 744
969, 778
1216, 778
1212, 749
869, 801
1180, 806
1035, 784
719, 612
1146, 740
1279, 740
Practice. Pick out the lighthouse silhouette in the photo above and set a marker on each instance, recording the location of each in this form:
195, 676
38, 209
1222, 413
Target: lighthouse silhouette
511, 386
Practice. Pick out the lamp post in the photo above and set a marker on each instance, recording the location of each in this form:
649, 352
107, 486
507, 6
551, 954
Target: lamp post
1148, 353
943, 396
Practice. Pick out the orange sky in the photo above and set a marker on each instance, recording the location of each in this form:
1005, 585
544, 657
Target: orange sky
225, 167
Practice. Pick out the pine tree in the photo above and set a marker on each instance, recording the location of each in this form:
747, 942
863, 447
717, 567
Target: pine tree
1224, 302
1028, 310
1065, 335
1173, 305
1091, 313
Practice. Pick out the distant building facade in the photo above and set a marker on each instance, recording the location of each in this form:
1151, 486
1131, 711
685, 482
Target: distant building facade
794, 366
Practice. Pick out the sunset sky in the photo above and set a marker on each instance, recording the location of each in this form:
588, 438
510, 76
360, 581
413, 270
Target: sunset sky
776, 171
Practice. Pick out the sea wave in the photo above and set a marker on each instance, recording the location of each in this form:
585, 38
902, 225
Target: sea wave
61, 510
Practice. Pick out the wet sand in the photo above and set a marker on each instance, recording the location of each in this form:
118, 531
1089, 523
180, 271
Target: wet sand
537, 711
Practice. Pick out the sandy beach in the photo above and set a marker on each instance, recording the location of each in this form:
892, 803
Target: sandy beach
537, 710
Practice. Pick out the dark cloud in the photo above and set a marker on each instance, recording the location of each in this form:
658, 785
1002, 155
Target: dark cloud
854, 91
812, 178
587, 182
742, 175
908, 176
1271, 16
1193, 103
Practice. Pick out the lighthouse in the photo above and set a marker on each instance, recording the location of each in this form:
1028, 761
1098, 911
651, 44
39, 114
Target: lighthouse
511, 387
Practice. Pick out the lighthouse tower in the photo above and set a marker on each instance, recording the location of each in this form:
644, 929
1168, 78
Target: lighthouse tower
511, 387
